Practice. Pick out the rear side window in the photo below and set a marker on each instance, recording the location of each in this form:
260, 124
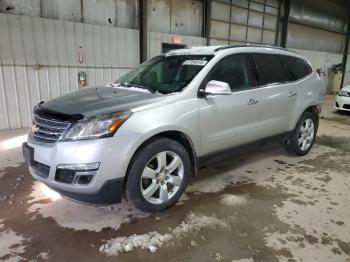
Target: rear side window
296, 68
270, 69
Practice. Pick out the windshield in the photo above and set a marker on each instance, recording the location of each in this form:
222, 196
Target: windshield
165, 74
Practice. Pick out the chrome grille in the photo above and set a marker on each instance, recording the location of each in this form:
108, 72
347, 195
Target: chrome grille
48, 130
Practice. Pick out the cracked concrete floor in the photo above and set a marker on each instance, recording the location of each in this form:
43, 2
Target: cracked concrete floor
262, 206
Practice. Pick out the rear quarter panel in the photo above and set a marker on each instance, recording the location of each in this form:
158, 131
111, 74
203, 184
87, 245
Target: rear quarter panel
311, 91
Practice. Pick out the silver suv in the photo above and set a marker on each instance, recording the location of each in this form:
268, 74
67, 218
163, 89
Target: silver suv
147, 133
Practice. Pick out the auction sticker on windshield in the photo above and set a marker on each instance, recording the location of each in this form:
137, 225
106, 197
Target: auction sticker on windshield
195, 62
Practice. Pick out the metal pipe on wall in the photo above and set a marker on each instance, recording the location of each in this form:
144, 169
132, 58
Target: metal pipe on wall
206, 20
285, 22
345, 53
143, 30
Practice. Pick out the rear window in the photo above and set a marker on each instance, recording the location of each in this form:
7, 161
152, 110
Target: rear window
270, 69
296, 68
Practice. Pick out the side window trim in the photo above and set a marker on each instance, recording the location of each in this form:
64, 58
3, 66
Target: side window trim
254, 70
279, 83
289, 74
259, 85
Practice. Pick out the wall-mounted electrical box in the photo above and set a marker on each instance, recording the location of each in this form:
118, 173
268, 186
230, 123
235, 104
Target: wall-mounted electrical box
82, 78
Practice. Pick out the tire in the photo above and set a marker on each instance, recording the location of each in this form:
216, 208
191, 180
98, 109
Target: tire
163, 166
304, 135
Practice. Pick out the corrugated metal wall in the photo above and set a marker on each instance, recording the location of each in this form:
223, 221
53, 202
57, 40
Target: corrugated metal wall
326, 15
183, 17
317, 25
309, 38
39, 61
243, 21
120, 13
21, 7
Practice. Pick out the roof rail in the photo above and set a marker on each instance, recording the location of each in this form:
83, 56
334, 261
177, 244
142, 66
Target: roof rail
253, 45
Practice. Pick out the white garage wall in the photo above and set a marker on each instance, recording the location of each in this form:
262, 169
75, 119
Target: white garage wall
39, 61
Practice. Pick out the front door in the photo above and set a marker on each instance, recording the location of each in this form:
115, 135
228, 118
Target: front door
230, 120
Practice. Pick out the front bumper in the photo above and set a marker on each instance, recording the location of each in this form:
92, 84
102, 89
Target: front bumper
106, 186
342, 103
110, 193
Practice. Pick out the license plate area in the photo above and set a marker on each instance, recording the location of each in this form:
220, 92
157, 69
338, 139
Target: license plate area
28, 154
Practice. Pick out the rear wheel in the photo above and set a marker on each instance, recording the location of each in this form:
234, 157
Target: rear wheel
158, 175
304, 134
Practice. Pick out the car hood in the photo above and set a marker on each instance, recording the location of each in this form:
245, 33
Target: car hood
94, 101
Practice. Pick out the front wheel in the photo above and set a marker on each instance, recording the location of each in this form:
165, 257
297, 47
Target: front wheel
158, 175
304, 134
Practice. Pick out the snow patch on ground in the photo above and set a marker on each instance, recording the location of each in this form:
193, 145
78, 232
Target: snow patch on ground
233, 200
243, 260
210, 184
78, 216
11, 246
153, 240
184, 197
44, 256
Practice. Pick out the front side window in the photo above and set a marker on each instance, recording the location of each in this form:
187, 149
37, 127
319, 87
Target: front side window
270, 69
165, 74
234, 70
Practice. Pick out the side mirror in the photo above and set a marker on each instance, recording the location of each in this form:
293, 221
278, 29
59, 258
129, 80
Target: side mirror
214, 87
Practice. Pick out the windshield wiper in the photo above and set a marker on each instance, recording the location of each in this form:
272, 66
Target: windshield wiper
132, 84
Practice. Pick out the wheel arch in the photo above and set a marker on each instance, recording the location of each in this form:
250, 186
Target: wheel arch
313, 108
176, 135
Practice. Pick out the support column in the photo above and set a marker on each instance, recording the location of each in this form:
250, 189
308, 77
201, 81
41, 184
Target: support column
285, 22
345, 53
143, 30
206, 21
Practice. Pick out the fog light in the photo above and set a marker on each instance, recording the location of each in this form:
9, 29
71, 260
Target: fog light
84, 180
80, 167
65, 176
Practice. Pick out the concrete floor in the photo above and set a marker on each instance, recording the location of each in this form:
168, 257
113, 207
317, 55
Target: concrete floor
262, 206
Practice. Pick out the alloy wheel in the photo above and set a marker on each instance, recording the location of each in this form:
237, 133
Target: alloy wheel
306, 134
162, 177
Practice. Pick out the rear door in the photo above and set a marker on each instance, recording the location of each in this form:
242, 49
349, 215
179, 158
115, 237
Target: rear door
279, 97
230, 120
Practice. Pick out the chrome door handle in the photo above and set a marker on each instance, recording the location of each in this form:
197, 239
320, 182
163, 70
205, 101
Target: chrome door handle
252, 101
291, 94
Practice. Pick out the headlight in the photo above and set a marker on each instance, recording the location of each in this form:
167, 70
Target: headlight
97, 127
343, 93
